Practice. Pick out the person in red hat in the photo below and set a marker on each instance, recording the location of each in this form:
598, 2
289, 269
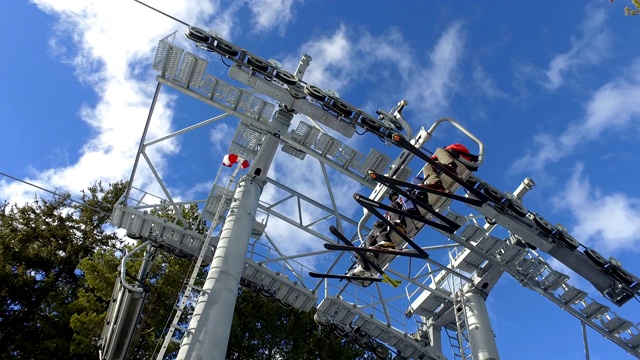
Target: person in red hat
445, 156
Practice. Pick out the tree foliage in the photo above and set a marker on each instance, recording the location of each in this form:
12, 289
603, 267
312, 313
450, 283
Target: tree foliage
41, 246
629, 11
264, 330
59, 267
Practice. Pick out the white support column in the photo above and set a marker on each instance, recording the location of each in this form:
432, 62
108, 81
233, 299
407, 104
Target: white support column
481, 337
435, 334
207, 336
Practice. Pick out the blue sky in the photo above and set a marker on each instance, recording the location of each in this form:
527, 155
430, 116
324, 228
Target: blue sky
550, 87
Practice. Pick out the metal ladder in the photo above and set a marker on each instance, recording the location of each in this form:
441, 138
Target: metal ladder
454, 342
186, 297
459, 341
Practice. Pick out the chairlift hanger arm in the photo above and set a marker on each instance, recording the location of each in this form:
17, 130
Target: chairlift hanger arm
464, 131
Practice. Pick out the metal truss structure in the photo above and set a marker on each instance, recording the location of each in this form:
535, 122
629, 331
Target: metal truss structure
440, 295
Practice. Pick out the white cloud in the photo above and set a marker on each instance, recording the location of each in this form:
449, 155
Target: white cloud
613, 108
331, 65
610, 222
591, 47
113, 62
265, 16
432, 85
111, 47
268, 14
347, 56
486, 84
195, 191
220, 136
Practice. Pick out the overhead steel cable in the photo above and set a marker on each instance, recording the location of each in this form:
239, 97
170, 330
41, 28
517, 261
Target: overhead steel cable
54, 193
165, 14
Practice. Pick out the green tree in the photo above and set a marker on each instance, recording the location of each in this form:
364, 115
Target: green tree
41, 245
275, 332
629, 11
59, 266
264, 330
166, 279
93, 300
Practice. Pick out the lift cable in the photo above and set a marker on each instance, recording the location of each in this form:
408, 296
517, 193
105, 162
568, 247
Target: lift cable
163, 13
54, 193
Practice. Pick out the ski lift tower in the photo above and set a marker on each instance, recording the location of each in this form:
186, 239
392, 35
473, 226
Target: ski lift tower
208, 333
437, 298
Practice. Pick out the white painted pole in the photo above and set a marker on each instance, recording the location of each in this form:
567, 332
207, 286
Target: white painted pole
481, 337
207, 336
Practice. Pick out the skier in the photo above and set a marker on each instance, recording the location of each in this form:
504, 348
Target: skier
382, 236
445, 156
409, 206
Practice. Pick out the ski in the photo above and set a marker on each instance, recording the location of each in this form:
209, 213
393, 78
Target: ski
447, 224
374, 265
372, 250
345, 277
372, 207
395, 183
